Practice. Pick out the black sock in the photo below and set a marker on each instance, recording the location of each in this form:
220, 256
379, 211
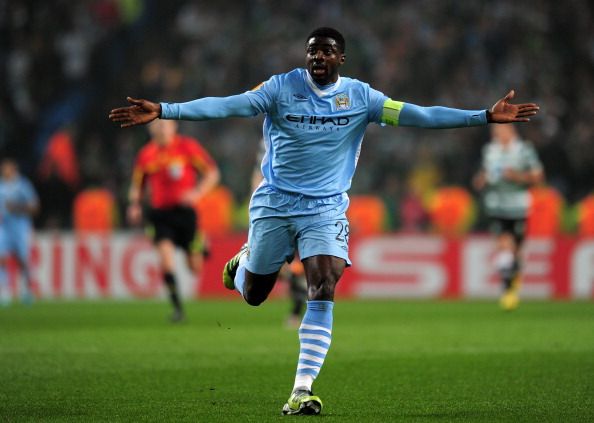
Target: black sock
507, 283
507, 275
510, 274
169, 280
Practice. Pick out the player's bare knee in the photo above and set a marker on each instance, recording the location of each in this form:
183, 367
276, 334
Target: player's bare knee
254, 298
253, 295
258, 287
324, 291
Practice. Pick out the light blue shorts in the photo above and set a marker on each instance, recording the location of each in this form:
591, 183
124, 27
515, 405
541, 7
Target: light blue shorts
15, 240
282, 222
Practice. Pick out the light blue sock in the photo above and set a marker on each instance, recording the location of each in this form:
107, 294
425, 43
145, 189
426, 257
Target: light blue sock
4, 290
315, 335
240, 275
27, 291
3, 276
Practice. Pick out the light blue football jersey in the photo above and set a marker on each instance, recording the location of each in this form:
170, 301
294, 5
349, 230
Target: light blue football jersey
312, 135
20, 192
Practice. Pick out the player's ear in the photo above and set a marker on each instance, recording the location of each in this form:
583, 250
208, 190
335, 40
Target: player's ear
342, 58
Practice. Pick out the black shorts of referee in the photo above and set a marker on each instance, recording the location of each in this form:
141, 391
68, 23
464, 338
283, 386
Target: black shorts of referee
177, 224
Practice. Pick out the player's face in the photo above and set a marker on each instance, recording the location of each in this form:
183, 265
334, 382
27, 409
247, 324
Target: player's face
163, 131
323, 58
503, 133
8, 169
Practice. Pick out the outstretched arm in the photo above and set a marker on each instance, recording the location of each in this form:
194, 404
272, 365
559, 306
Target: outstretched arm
144, 111
437, 117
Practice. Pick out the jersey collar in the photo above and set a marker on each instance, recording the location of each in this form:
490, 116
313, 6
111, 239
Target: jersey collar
322, 92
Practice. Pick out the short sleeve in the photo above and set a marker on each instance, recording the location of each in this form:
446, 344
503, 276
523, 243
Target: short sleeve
29, 192
531, 157
484, 153
199, 157
138, 170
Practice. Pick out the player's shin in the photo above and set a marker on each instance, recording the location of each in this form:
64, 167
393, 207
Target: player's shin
171, 284
504, 262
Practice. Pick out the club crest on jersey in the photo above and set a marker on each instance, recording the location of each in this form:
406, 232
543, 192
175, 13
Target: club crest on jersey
342, 102
176, 170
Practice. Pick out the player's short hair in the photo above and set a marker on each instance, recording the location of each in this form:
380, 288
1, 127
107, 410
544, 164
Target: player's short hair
329, 33
8, 158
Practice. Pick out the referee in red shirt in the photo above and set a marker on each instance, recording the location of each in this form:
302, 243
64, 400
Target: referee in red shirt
175, 171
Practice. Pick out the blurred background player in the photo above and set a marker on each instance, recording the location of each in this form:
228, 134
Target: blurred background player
510, 166
178, 172
18, 203
293, 272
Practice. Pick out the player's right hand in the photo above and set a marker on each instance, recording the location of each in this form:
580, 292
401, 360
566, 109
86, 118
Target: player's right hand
134, 214
140, 112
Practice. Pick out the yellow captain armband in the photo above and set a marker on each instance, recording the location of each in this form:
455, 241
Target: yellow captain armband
391, 112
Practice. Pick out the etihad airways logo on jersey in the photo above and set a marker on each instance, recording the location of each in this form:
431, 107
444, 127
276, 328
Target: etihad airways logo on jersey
320, 123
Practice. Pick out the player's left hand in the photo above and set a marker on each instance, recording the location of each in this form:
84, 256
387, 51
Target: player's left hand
505, 112
191, 198
12, 207
18, 208
513, 175
518, 176
134, 214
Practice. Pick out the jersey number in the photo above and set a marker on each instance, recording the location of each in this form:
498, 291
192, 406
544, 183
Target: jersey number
343, 232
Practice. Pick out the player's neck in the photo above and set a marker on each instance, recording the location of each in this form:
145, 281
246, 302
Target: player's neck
165, 143
323, 90
324, 86
327, 85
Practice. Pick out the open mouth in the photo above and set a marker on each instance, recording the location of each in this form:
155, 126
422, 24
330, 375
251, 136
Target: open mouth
318, 70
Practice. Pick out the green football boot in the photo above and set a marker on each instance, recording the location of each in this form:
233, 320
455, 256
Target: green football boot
302, 402
230, 268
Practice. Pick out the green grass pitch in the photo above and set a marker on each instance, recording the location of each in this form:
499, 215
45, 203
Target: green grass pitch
389, 362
